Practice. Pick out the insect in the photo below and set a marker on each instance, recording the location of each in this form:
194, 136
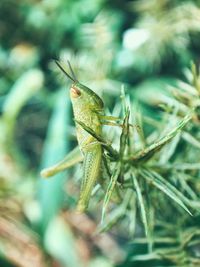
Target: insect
88, 109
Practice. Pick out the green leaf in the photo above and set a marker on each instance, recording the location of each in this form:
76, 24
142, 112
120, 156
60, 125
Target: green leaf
152, 149
110, 189
191, 139
115, 215
141, 203
165, 187
125, 133
60, 243
50, 192
24, 88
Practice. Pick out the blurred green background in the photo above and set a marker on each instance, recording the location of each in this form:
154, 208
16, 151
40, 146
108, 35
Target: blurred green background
144, 45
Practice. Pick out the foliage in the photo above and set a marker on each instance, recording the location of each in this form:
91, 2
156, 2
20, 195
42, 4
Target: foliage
146, 211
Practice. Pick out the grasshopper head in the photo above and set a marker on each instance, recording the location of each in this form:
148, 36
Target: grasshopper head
84, 96
80, 94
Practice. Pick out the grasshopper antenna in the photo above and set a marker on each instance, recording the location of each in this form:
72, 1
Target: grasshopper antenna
71, 70
63, 70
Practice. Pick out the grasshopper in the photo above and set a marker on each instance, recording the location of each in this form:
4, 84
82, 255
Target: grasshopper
88, 109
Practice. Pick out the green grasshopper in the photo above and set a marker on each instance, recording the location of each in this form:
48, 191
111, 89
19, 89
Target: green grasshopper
89, 117
88, 109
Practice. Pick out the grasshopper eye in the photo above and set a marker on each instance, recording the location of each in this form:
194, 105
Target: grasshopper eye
75, 92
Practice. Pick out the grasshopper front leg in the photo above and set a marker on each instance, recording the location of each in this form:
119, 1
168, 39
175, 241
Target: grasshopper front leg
91, 171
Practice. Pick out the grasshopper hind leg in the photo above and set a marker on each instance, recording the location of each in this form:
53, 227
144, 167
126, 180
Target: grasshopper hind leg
91, 169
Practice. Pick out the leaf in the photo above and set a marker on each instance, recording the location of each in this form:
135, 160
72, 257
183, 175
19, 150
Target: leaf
50, 192
110, 189
166, 188
141, 204
24, 88
176, 166
60, 243
169, 149
191, 139
152, 149
125, 133
146, 257
173, 188
115, 215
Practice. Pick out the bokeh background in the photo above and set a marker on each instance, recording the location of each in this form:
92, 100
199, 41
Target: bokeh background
144, 45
